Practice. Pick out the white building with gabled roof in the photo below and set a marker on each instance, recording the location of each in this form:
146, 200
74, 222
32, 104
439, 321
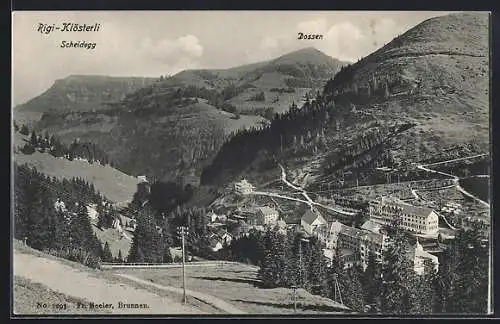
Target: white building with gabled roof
311, 221
243, 187
419, 257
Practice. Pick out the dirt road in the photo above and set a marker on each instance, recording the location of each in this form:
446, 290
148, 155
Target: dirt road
78, 283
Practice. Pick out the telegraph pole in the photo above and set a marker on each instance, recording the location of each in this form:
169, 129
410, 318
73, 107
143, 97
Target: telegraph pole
337, 288
300, 261
183, 268
184, 298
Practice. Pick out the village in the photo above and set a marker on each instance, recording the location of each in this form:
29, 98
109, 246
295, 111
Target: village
354, 244
353, 227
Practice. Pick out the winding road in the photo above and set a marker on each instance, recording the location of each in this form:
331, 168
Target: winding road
455, 178
302, 191
456, 183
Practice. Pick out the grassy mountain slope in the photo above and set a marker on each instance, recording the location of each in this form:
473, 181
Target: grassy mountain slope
437, 77
299, 71
113, 184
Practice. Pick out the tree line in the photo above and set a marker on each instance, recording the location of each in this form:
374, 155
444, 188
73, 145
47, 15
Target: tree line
390, 287
159, 213
64, 232
52, 145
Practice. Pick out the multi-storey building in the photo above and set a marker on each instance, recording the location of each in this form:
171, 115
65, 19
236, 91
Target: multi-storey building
266, 216
355, 243
243, 187
419, 220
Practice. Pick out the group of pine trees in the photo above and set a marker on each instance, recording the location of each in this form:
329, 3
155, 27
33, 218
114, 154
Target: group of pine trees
343, 84
51, 144
65, 232
150, 244
390, 287
159, 212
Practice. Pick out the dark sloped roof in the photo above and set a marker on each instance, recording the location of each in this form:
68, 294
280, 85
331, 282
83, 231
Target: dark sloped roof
361, 234
310, 216
415, 210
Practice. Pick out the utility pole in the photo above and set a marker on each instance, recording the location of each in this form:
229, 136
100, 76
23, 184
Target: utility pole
294, 298
183, 229
300, 261
337, 288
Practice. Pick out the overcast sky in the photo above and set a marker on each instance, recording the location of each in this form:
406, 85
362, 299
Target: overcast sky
154, 43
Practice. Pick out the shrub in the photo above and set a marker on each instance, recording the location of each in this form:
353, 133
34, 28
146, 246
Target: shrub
24, 130
77, 255
28, 149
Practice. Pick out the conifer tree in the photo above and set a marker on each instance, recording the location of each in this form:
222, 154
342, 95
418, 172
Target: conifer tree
273, 267
81, 229
107, 256
316, 268
120, 257
464, 274
293, 272
426, 288
372, 282
352, 289
398, 295
33, 139
24, 130
147, 245
39, 217
101, 218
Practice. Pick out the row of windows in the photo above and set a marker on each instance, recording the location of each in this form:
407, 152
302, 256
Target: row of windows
389, 218
377, 254
404, 216
422, 227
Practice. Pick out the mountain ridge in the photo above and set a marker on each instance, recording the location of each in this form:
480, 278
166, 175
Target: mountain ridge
440, 101
183, 107
78, 93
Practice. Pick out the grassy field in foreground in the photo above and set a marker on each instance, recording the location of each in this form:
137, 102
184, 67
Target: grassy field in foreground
235, 284
27, 295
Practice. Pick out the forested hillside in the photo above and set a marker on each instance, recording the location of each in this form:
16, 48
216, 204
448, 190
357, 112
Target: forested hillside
402, 104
